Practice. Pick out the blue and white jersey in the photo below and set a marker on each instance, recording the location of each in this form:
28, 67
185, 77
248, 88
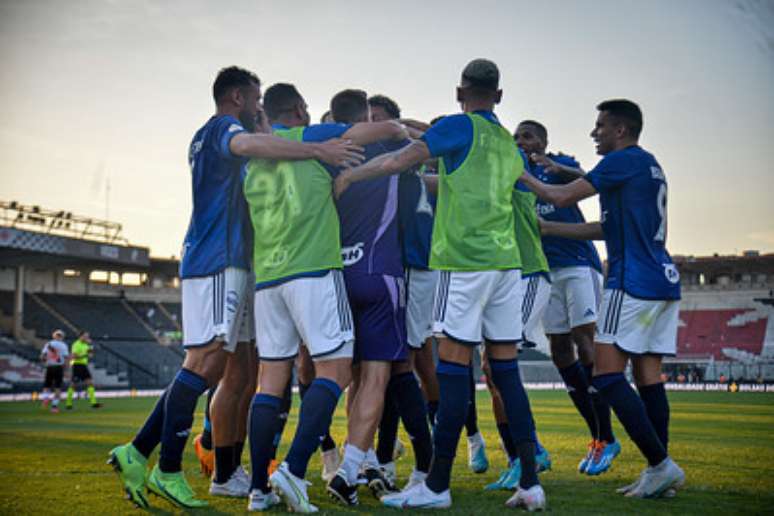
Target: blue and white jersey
416, 207
219, 233
368, 212
564, 252
633, 200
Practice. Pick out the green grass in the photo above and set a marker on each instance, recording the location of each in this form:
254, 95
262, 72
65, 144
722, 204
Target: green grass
55, 463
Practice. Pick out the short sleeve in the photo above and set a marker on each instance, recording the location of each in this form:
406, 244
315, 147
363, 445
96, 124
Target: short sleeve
226, 130
613, 171
324, 132
451, 134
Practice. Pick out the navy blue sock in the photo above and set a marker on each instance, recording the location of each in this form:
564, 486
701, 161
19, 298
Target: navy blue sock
432, 410
239, 447
282, 418
224, 463
657, 406
471, 422
388, 426
577, 383
601, 409
149, 435
506, 377
327, 443
505, 437
454, 384
411, 407
314, 421
632, 415
207, 432
264, 408
178, 417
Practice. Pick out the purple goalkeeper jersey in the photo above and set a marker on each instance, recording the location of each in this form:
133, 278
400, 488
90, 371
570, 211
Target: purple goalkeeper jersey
368, 212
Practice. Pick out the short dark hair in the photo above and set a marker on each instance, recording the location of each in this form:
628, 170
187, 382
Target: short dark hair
280, 98
386, 103
324, 116
349, 106
540, 129
626, 111
230, 78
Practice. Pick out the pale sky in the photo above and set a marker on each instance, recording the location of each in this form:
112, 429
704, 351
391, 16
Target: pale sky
112, 91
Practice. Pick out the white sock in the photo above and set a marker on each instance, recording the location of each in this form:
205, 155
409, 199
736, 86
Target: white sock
55, 403
476, 438
350, 465
370, 459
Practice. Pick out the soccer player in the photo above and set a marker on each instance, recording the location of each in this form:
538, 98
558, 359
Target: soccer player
574, 301
415, 217
216, 282
474, 247
536, 288
81, 351
642, 289
300, 295
373, 276
54, 355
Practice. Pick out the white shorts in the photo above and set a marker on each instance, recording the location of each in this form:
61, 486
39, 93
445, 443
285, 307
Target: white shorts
475, 306
313, 310
536, 290
576, 293
638, 326
421, 285
218, 307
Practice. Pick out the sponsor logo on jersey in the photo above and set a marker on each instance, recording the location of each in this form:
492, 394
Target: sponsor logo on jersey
545, 208
352, 254
657, 173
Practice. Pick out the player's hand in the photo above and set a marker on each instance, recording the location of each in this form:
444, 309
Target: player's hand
341, 153
547, 163
262, 121
341, 183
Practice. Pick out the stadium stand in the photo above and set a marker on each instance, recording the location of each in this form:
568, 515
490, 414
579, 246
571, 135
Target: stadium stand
707, 332
106, 318
154, 315
144, 364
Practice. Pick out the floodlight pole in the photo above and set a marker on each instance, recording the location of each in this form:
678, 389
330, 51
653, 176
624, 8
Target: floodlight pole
18, 303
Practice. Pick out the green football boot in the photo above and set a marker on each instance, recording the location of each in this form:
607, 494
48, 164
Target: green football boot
174, 488
132, 468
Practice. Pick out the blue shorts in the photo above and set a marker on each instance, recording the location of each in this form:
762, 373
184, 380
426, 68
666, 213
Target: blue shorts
379, 311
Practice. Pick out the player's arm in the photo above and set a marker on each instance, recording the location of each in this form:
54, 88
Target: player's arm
369, 132
415, 128
431, 183
387, 164
337, 152
560, 196
582, 231
564, 172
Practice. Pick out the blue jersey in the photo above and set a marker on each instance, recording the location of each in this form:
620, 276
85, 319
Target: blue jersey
219, 233
416, 207
633, 200
564, 252
314, 133
368, 212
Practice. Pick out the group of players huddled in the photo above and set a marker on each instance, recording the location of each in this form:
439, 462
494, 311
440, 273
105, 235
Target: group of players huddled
344, 248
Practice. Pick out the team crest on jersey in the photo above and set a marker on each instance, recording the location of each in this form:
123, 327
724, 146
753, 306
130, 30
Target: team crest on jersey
352, 254
671, 272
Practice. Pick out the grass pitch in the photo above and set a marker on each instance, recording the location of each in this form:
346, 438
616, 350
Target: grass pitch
55, 463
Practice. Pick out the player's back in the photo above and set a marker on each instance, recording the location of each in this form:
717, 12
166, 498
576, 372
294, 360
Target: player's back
368, 212
219, 233
633, 198
416, 207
